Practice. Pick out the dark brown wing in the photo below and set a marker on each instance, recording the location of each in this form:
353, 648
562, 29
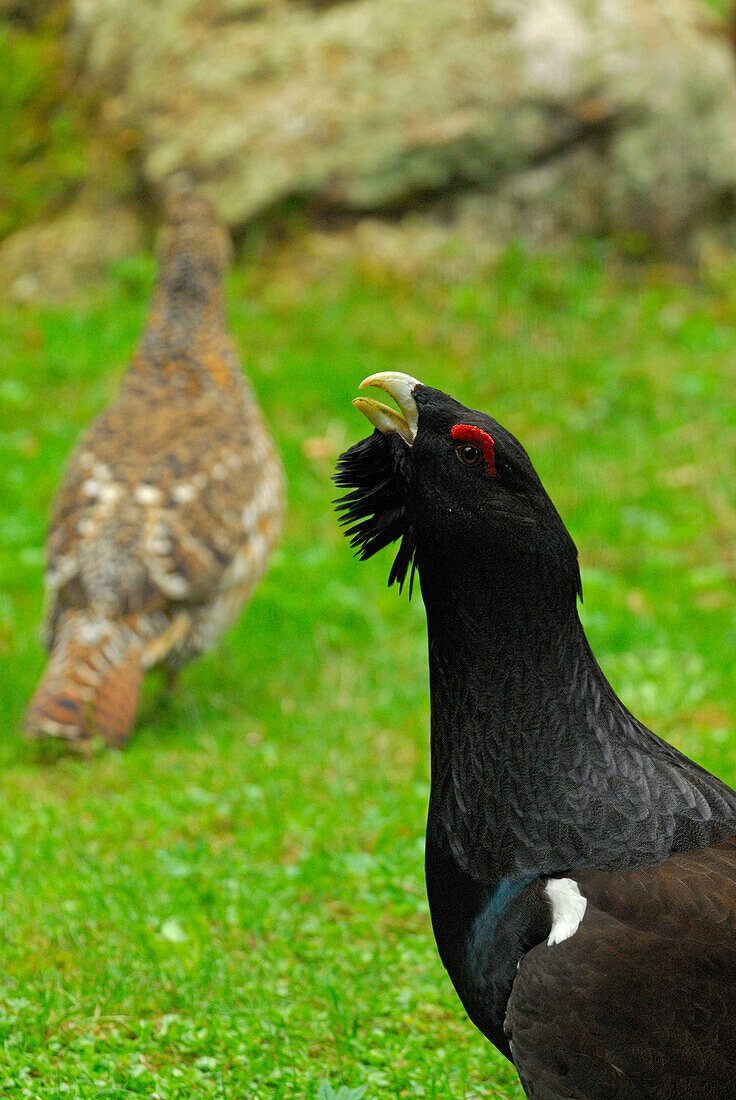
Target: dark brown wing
641, 1000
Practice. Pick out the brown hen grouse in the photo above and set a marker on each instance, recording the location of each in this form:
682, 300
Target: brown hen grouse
169, 507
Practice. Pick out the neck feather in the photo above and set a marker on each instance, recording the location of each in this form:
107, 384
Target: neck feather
185, 341
537, 766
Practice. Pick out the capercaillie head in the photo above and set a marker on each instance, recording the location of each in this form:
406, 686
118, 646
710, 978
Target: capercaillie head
457, 489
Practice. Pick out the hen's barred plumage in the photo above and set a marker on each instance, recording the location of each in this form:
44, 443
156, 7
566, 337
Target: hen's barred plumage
581, 872
169, 506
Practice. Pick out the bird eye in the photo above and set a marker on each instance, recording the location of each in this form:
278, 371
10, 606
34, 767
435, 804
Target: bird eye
468, 454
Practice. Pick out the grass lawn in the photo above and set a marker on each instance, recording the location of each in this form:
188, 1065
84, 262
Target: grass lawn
235, 906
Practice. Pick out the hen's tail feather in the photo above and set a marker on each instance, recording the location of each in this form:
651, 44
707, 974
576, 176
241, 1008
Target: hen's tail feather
91, 686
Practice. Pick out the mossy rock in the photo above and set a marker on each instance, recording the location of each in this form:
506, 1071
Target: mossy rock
569, 115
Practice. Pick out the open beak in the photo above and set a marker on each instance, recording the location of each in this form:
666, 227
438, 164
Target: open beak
386, 419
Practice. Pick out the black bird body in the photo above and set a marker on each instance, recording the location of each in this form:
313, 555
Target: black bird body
580, 871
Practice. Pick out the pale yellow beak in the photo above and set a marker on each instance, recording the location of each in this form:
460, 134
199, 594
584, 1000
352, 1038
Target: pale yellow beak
400, 387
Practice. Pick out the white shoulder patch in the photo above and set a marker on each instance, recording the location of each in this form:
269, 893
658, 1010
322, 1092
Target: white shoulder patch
568, 908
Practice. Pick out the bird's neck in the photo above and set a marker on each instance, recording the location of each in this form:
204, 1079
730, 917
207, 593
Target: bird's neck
537, 766
185, 342
501, 670
515, 690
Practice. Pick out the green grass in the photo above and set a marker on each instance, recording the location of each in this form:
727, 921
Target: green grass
235, 906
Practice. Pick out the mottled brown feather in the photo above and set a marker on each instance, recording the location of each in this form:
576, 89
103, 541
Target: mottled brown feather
172, 500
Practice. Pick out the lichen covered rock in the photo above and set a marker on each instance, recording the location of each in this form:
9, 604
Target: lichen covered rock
592, 115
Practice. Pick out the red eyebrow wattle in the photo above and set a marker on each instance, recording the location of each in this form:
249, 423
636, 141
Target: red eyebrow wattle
468, 433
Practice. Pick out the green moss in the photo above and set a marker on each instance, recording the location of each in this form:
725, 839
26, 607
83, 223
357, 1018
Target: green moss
52, 142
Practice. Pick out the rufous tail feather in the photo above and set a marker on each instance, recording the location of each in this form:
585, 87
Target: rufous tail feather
91, 686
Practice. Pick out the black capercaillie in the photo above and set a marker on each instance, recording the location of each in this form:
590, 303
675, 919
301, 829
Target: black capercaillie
581, 872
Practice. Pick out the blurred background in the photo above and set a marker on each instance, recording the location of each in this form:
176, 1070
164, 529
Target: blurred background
528, 203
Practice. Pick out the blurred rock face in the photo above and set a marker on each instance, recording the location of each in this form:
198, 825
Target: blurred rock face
531, 116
